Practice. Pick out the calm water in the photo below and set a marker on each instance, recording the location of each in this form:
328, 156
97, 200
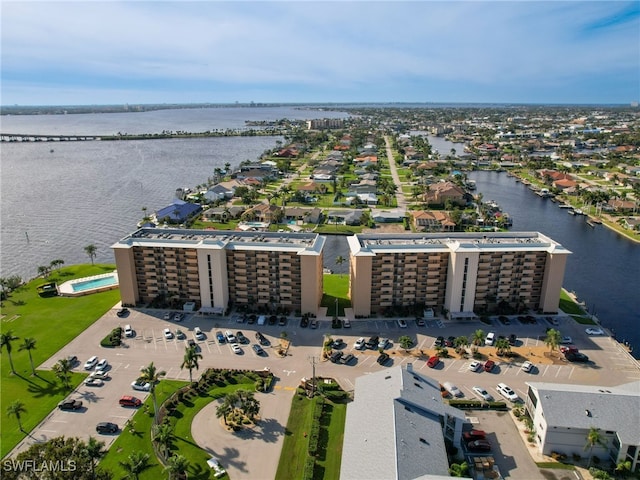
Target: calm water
604, 267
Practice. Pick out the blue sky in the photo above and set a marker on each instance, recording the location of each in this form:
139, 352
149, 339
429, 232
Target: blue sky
93, 52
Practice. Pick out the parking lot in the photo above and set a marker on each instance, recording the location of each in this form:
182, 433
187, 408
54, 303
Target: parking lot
609, 366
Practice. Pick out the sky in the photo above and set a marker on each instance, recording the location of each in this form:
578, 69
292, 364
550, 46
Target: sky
106, 52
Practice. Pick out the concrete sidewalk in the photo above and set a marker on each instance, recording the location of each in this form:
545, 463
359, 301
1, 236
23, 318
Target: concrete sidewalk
253, 453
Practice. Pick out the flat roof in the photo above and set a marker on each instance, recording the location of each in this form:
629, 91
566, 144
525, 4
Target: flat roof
454, 242
303, 243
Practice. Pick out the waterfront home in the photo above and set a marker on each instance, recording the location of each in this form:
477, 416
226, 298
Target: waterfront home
440, 192
262, 212
178, 212
304, 215
432, 221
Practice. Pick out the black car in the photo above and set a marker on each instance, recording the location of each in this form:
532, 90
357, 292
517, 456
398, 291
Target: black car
304, 322
72, 359
449, 341
106, 427
252, 319
123, 312
262, 339
258, 349
479, 446
338, 343
191, 342
241, 338
576, 357
273, 320
504, 320
70, 404
512, 339
439, 342
283, 321
382, 358
335, 357
372, 343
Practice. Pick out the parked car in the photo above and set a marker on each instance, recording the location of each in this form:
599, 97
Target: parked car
439, 342
382, 358
452, 389
167, 316
594, 331
93, 382
241, 338
129, 401
123, 312
474, 435
506, 391
178, 317
402, 323
348, 358
168, 334
346, 323
382, 343
504, 320
420, 322
72, 359
89, 364
335, 357
282, 321
258, 349
199, 334
568, 348
566, 340
489, 365
337, 343
475, 366
230, 337
553, 321
449, 341
433, 361
70, 404
218, 470
102, 364
236, 349
372, 343
360, 344
192, 343
180, 335
262, 340
513, 339
527, 366
576, 357
106, 427
141, 385
490, 339
479, 446
101, 374
313, 323
220, 337
128, 331
483, 394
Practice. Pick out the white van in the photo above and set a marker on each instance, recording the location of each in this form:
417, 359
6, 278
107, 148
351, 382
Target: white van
262, 319
128, 331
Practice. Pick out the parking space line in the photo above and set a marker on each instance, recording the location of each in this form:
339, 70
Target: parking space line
558, 372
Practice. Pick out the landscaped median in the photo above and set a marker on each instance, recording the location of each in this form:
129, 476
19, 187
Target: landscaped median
52, 322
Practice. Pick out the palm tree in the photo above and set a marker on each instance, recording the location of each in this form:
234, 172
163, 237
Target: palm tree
594, 437
458, 469
152, 376
553, 339
91, 251
177, 467
190, 361
5, 341
135, 464
29, 344
227, 406
15, 409
502, 346
94, 451
62, 369
478, 337
460, 342
163, 434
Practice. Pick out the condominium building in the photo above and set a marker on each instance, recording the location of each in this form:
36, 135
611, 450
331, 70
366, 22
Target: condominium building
460, 273
215, 269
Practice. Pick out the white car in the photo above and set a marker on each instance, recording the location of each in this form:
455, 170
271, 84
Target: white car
527, 366
402, 323
491, 337
128, 331
101, 374
168, 334
198, 333
102, 364
167, 316
383, 343
360, 343
141, 385
93, 382
452, 389
483, 394
594, 331
506, 391
89, 364
566, 340
236, 348
231, 338
475, 366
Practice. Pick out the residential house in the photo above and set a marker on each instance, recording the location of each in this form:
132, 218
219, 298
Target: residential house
221, 214
263, 212
438, 193
622, 206
344, 217
432, 221
178, 212
218, 192
302, 215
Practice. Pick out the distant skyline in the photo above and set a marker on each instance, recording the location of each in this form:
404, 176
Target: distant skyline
103, 52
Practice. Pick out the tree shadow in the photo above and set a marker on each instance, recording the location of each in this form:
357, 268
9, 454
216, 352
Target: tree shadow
50, 390
267, 430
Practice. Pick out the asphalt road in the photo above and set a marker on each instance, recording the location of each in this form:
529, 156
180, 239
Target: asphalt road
610, 366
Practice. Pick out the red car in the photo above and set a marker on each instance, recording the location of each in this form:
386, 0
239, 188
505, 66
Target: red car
474, 435
129, 401
433, 361
488, 365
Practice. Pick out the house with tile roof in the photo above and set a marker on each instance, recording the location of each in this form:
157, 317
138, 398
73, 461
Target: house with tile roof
432, 221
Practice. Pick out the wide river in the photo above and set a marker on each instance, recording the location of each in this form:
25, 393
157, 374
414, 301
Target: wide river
59, 197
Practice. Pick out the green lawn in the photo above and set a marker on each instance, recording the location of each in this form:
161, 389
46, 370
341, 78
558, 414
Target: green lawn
53, 322
336, 286
296, 440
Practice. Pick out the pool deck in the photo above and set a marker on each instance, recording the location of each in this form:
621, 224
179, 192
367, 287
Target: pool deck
66, 289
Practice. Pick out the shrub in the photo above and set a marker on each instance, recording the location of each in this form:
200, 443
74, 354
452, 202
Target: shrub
309, 466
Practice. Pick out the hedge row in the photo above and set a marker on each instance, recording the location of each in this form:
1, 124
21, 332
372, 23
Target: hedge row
315, 427
114, 339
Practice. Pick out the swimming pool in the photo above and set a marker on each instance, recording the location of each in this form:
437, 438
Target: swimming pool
87, 285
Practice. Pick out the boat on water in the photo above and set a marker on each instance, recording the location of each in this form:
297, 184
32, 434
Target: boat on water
571, 211
579, 212
591, 224
564, 205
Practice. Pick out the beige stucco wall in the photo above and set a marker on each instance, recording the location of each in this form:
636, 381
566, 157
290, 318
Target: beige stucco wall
552, 283
311, 283
218, 284
126, 275
360, 284
455, 276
